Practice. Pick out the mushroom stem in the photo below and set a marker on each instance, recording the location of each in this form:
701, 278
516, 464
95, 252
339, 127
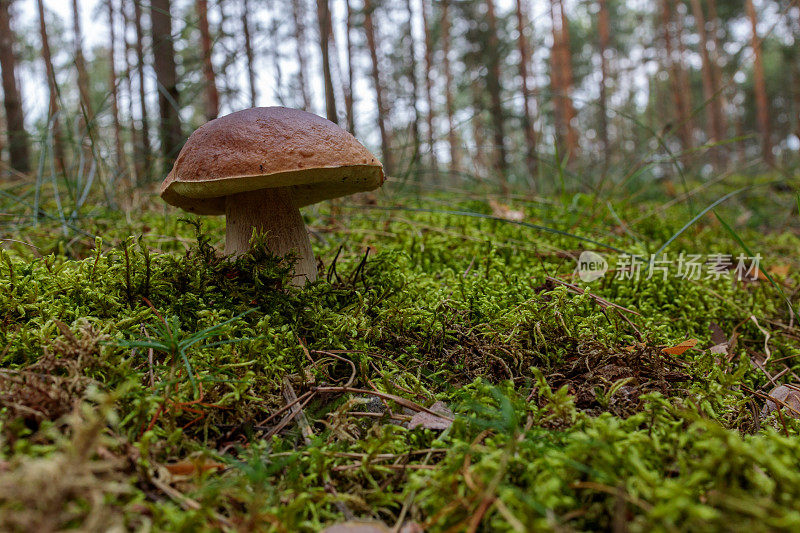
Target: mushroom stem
270, 211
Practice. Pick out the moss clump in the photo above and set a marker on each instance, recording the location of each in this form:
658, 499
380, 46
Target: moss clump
162, 378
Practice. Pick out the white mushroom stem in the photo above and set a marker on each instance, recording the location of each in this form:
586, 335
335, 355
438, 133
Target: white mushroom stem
273, 212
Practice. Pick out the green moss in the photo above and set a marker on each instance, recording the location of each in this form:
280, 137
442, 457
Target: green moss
567, 412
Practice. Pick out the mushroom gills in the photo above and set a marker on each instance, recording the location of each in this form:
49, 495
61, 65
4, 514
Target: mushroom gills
270, 211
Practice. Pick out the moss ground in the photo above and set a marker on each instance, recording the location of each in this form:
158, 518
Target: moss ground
144, 380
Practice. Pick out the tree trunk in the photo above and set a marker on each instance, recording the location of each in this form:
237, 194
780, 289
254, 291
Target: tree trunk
716, 69
683, 74
604, 38
324, 19
412, 76
796, 97
277, 58
300, 39
369, 29
495, 89
348, 95
138, 174
112, 86
52, 86
18, 150
557, 81
166, 75
212, 94
760, 87
455, 153
562, 80
145, 150
682, 109
710, 91
566, 63
83, 76
429, 86
248, 49
796, 78
479, 163
527, 115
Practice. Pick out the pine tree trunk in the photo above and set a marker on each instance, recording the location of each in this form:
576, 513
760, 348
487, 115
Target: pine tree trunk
557, 85
686, 87
300, 39
412, 77
429, 87
211, 92
248, 49
83, 76
604, 38
455, 152
682, 108
796, 78
527, 115
112, 87
167, 78
138, 174
348, 95
18, 149
52, 86
712, 98
760, 87
567, 78
796, 98
479, 163
277, 59
369, 29
145, 150
493, 83
716, 70
324, 19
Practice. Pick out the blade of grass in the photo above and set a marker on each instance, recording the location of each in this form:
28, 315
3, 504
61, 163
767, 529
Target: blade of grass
741, 243
546, 229
699, 216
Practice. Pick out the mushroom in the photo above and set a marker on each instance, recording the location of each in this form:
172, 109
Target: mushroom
259, 166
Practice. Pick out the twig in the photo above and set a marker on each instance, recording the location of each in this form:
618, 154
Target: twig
186, 502
300, 416
346, 360
602, 301
766, 339
399, 399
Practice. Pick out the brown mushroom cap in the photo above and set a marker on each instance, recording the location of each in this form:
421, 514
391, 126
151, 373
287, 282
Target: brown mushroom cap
268, 147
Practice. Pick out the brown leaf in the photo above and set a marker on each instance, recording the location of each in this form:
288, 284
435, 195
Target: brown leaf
787, 396
720, 349
779, 270
680, 348
503, 211
187, 468
717, 335
431, 421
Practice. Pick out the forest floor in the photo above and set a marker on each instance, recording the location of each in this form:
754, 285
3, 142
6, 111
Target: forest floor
449, 372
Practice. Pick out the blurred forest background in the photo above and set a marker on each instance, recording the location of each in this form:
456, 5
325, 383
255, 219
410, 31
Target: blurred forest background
451, 93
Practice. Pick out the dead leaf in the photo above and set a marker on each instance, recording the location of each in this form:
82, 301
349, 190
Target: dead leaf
431, 421
720, 349
717, 335
188, 468
678, 349
503, 211
788, 395
779, 270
